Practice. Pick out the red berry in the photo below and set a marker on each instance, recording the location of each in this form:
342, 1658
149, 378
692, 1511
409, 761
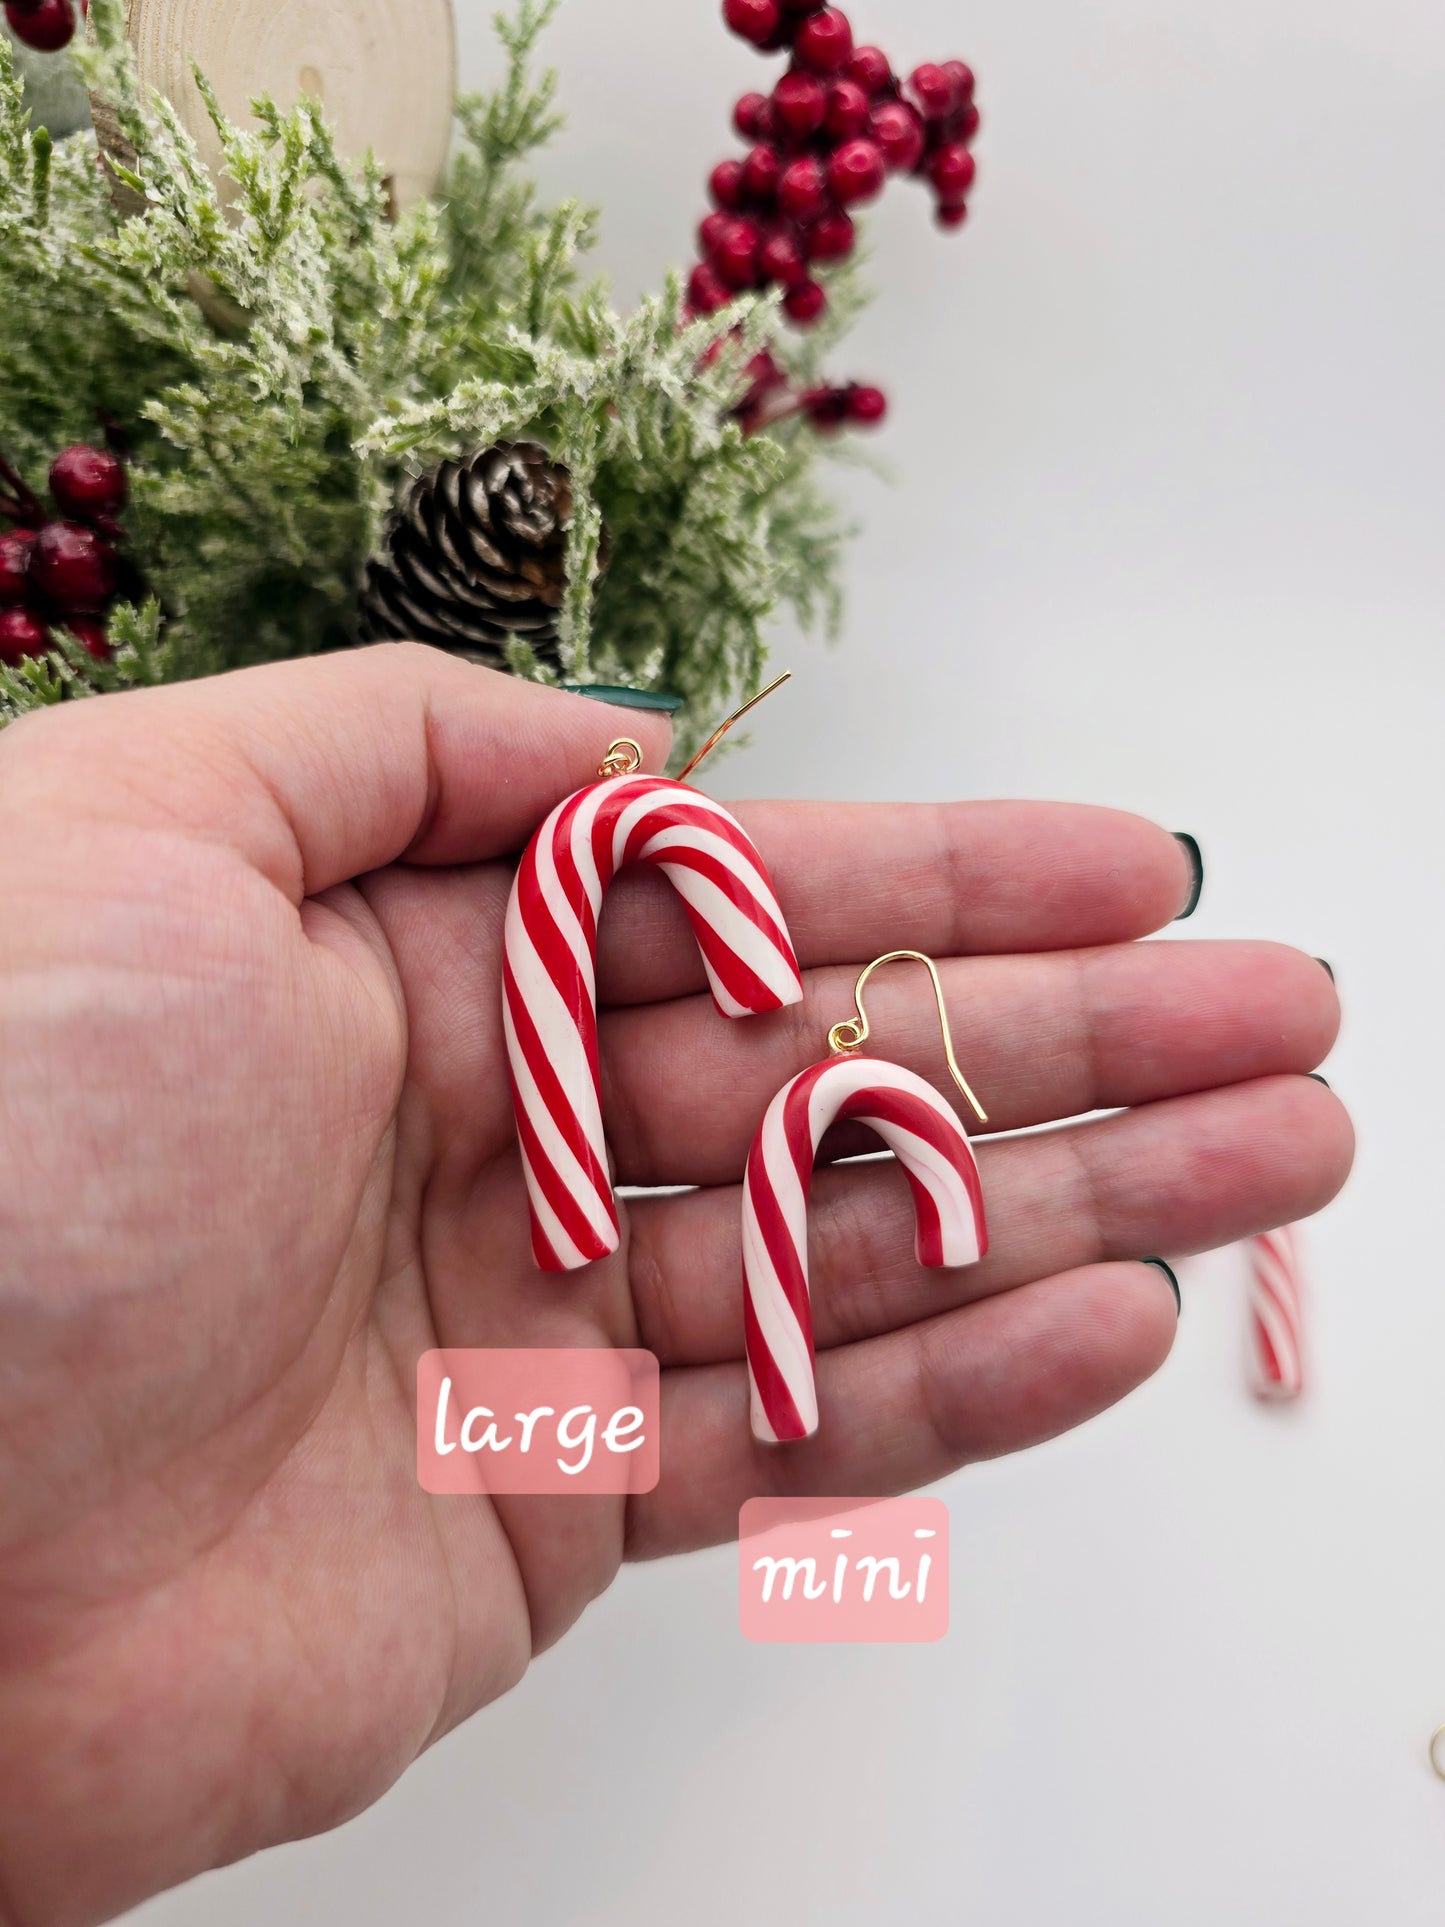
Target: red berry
711, 230
896, 128
47, 27
847, 113
735, 258
760, 175
968, 122
91, 636
869, 67
960, 76
866, 406
781, 259
951, 168
755, 20
88, 482
73, 568
856, 172
931, 87
830, 239
805, 303
803, 188
725, 184
753, 117
21, 634
800, 101
705, 290
824, 42
15, 550
951, 213
800, 6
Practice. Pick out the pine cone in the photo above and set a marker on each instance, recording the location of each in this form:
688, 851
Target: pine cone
475, 557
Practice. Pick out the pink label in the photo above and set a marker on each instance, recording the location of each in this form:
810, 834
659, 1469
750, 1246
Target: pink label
851, 1570
537, 1421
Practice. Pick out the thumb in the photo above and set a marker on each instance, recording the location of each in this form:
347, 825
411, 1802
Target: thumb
321, 769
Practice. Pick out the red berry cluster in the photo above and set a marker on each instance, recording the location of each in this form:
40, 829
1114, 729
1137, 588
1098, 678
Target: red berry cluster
47, 25
836, 125
61, 570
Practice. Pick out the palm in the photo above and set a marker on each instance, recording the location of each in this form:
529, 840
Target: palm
280, 1118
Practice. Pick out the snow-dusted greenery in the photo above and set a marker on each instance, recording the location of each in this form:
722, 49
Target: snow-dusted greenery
280, 352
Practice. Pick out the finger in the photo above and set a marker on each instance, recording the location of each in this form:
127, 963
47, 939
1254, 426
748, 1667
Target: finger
902, 1410
952, 879
1039, 1039
444, 930
322, 769
1176, 1177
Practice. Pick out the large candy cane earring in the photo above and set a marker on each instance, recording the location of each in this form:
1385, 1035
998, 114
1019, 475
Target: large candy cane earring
929, 1142
549, 1005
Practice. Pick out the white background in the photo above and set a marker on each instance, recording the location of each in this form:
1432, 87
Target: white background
1166, 533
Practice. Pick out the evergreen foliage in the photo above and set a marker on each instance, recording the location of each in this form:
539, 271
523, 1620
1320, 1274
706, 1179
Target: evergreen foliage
280, 352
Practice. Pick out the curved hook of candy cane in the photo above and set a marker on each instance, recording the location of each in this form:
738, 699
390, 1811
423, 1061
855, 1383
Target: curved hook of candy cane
549, 1007
933, 1148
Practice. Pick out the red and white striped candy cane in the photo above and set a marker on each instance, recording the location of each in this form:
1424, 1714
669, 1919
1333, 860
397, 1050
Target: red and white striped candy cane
930, 1144
1276, 1293
550, 977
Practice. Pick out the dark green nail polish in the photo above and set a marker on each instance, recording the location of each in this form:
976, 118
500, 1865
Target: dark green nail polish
1159, 1265
1196, 863
1318, 1079
1328, 969
621, 697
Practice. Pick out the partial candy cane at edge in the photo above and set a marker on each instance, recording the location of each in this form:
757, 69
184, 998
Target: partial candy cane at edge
1276, 1314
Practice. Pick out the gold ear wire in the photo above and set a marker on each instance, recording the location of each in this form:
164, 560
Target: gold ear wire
722, 729
852, 1034
624, 758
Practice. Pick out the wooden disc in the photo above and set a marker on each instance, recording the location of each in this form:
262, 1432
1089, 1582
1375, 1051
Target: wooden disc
385, 71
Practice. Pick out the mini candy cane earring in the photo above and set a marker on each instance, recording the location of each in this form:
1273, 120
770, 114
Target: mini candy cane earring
929, 1142
549, 1003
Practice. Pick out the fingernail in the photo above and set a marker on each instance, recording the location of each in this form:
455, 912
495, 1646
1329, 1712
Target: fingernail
1196, 863
1329, 969
1318, 1079
1159, 1265
620, 697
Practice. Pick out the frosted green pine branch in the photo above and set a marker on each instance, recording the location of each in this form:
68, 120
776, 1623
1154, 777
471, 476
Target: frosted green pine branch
281, 354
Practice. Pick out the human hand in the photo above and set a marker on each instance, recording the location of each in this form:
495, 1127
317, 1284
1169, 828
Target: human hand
259, 1155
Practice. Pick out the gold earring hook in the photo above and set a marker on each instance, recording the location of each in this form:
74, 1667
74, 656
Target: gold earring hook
722, 729
852, 1034
624, 757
